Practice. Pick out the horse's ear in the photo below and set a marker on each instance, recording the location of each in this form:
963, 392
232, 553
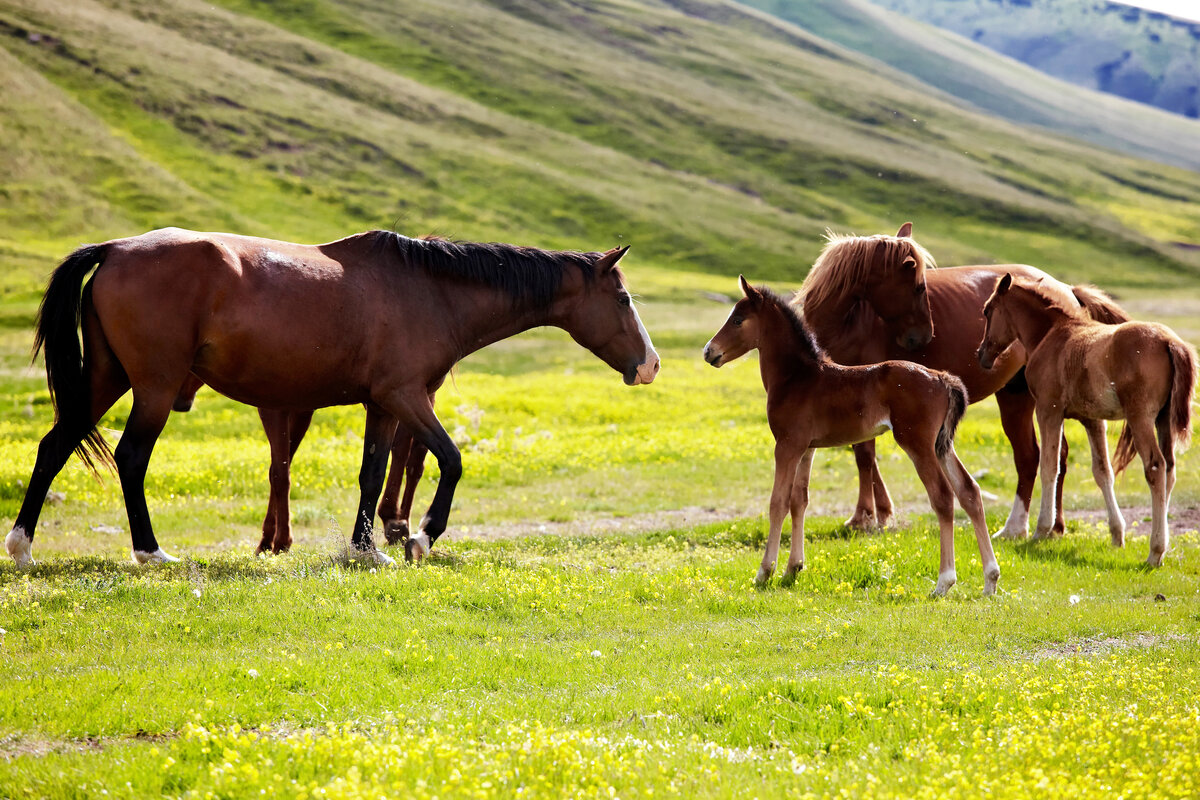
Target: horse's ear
1004, 284
609, 260
909, 263
905, 231
752, 294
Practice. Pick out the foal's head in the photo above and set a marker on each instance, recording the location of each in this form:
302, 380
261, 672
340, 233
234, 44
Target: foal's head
762, 319
603, 319
999, 332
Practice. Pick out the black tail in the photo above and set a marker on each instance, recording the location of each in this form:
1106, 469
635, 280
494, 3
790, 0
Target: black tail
954, 414
57, 333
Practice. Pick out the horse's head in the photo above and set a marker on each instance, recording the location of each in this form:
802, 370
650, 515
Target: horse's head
603, 319
741, 331
899, 296
998, 332
887, 273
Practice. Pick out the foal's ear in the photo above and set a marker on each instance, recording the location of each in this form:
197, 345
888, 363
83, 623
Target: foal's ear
909, 263
609, 260
752, 294
1004, 284
905, 231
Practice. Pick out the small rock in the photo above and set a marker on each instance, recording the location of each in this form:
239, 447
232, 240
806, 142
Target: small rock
111, 530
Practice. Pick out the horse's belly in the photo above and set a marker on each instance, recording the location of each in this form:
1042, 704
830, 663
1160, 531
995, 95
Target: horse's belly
852, 435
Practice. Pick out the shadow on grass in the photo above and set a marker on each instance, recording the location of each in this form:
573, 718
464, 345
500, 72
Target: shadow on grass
1077, 553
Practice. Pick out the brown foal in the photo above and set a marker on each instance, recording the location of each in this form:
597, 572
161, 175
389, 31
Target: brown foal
1140, 372
813, 402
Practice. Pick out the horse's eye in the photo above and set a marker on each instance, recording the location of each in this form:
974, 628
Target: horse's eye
624, 300
736, 322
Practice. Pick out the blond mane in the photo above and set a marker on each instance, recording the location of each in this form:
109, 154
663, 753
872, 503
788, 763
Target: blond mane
850, 262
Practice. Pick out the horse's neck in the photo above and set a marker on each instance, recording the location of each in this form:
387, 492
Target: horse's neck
1034, 318
781, 354
479, 316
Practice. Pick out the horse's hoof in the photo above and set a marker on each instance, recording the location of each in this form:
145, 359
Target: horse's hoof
20, 548
416, 548
395, 531
279, 548
790, 575
1155, 559
944, 583
883, 519
373, 556
159, 556
861, 521
763, 577
1011, 534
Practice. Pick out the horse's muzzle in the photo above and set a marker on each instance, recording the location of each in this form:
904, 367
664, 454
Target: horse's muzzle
712, 356
986, 359
914, 339
643, 373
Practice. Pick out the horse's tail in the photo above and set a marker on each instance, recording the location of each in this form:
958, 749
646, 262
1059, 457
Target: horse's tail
57, 334
954, 413
1099, 305
1178, 406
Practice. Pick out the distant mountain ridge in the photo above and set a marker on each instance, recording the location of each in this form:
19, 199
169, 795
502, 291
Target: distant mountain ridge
1141, 55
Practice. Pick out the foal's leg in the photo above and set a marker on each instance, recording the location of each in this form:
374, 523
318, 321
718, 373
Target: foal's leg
1154, 464
1050, 422
377, 440
107, 382
1102, 472
967, 492
799, 505
863, 517
941, 498
787, 456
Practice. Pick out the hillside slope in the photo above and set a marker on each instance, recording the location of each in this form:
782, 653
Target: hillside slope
1112, 47
709, 135
994, 83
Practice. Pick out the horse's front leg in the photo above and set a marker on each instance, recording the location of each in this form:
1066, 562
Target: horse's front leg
1102, 472
787, 455
1050, 425
799, 503
865, 510
377, 441
416, 413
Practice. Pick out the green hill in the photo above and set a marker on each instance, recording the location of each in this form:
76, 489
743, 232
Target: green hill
711, 136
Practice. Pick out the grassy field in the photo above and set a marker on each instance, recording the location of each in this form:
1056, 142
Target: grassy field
624, 651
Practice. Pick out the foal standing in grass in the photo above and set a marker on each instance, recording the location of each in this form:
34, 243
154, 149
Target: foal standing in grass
813, 402
1137, 371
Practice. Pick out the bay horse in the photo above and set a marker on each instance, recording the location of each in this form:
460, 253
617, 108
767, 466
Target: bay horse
813, 402
376, 318
285, 430
1076, 367
863, 304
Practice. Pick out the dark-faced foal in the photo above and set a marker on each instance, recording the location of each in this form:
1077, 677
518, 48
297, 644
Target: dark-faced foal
813, 402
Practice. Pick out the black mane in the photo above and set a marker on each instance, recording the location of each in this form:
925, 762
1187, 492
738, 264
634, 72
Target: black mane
528, 275
805, 341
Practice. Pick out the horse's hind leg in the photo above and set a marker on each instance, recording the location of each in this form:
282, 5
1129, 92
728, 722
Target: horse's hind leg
1154, 464
863, 517
377, 441
1102, 472
151, 408
941, 498
395, 524
967, 492
106, 383
285, 430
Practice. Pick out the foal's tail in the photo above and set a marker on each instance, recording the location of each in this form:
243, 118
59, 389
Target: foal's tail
954, 413
1178, 405
1099, 305
57, 332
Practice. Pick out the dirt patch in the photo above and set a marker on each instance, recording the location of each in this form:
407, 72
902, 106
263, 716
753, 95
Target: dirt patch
601, 525
1100, 645
1137, 519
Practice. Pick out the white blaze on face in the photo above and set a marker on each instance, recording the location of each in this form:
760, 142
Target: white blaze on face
649, 366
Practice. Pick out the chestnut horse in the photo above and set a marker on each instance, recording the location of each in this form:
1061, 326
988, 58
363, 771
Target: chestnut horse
813, 402
285, 430
376, 318
1140, 372
855, 299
